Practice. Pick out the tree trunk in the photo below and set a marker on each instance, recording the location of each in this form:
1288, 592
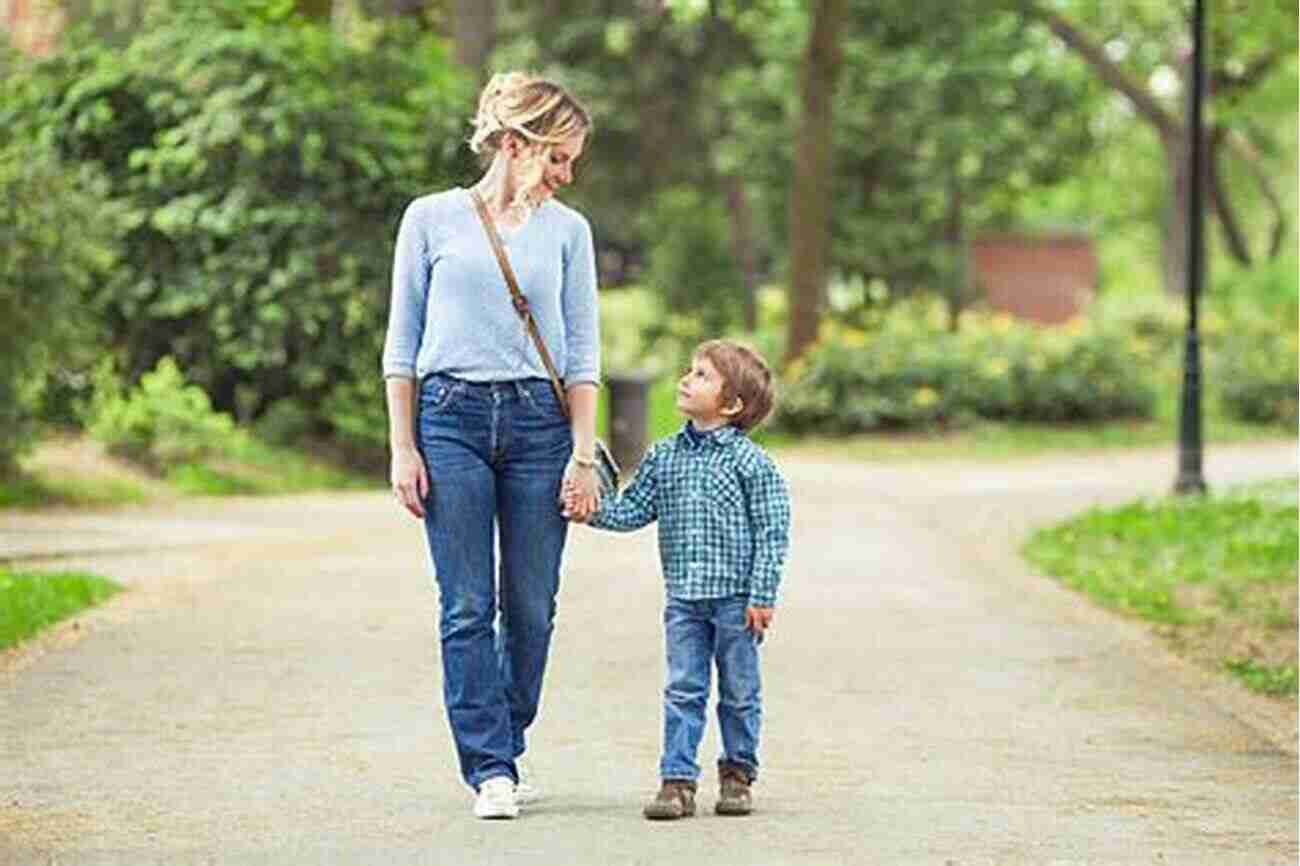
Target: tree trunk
474, 29
314, 8
810, 192
955, 240
742, 245
1173, 250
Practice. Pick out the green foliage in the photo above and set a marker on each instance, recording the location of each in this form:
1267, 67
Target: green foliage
1248, 339
30, 601
260, 172
1256, 376
162, 422
285, 423
52, 250
915, 373
690, 266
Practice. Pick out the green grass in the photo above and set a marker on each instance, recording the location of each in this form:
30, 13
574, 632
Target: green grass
30, 601
252, 467
1214, 570
1271, 680
257, 468
36, 490
267, 469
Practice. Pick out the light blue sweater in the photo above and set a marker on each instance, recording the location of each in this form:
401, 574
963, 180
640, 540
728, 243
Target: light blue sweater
451, 311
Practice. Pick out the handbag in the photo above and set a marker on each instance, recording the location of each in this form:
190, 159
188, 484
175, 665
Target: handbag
607, 470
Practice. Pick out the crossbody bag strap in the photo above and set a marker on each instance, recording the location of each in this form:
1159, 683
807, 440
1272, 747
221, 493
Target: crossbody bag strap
517, 297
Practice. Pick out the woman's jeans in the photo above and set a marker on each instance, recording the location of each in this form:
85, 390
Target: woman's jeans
698, 633
495, 454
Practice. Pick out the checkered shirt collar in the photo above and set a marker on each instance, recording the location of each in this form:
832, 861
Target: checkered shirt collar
719, 438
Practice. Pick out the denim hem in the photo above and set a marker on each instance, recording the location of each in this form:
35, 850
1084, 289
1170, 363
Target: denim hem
680, 778
479, 784
750, 771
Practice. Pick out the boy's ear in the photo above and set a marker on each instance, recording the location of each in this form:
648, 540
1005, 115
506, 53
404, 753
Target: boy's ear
737, 406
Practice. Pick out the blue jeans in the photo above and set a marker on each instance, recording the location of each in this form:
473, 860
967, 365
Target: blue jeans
698, 634
496, 454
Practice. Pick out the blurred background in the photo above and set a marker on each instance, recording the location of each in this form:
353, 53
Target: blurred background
953, 224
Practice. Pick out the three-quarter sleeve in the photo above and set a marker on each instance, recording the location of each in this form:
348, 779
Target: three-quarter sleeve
581, 318
410, 293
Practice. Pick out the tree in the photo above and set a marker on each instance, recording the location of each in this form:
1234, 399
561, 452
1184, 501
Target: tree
54, 246
1139, 49
259, 172
474, 28
810, 193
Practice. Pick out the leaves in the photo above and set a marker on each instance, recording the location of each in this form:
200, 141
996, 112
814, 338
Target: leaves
249, 160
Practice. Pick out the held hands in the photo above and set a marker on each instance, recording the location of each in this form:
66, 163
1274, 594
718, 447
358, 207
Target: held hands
410, 480
580, 492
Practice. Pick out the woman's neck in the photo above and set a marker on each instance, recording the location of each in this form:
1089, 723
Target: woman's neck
497, 187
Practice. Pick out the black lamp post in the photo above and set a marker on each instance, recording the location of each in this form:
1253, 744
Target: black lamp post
1190, 478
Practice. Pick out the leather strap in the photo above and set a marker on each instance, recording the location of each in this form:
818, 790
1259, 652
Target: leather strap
518, 299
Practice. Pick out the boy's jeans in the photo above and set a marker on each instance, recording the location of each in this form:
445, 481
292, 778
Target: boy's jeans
698, 633
495, 454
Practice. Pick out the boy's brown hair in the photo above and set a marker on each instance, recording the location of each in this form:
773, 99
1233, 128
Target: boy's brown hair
745, 375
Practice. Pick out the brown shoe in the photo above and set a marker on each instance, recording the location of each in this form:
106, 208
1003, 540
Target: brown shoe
676, 799
733, 791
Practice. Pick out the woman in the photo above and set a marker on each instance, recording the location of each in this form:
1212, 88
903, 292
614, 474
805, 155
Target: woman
490, 448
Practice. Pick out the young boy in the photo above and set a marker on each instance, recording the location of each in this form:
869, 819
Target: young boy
724, 520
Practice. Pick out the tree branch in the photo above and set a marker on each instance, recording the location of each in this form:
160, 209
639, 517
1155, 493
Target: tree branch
1220, 201
1107, 70
1241, 147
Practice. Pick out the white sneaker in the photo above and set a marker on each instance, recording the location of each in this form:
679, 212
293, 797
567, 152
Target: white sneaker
496, 799
526, 790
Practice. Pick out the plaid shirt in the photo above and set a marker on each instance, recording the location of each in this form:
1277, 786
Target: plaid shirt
723, 512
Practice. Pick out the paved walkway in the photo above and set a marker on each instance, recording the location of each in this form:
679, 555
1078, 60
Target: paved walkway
267, 693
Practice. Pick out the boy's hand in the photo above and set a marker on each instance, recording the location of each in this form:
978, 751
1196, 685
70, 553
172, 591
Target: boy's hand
757, 619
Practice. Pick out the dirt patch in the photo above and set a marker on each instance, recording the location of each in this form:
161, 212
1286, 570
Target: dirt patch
30, 827
85, 459
1258, 624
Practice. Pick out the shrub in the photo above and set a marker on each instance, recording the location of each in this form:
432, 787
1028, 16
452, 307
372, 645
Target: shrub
914, 373
163, 422
52, 249
285, 422
261, 172
1256, 378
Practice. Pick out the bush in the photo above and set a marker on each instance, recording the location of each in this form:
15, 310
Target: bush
52, 249
285, 422
1256, 379
261, 171
690, 265
163, 422
914, 373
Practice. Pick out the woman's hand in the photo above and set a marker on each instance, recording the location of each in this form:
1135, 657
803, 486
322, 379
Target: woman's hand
580, 492
410, 480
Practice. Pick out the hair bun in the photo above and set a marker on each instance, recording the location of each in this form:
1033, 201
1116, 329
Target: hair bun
537, 109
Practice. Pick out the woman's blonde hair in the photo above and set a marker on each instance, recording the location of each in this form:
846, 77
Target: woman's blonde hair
541, 111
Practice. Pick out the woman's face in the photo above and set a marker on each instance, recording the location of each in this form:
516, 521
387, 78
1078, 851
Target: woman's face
541, 170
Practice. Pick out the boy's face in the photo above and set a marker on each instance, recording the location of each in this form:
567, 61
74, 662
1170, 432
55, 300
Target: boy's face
699, 395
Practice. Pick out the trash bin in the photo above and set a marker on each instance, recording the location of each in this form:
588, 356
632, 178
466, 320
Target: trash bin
628, 398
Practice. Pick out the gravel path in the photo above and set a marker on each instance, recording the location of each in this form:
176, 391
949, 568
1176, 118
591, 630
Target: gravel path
267, 693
